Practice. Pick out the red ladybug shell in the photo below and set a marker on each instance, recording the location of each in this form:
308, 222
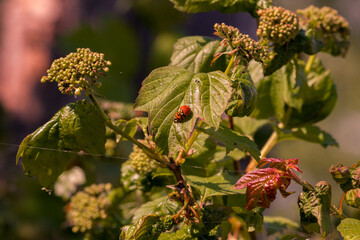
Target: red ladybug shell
183, 112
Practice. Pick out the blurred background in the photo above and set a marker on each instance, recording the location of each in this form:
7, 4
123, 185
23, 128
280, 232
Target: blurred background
136, 36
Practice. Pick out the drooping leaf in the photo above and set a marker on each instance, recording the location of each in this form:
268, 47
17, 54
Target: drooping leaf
168, 88
232, 140
225, 6
46, 152
244, 96
248, 125
292, 96
262, 185
319, 99
82, 127
129, 127
195, 53
279, 224
308, 133
160, 206
314, 208
270, 93
350, 228
221, 184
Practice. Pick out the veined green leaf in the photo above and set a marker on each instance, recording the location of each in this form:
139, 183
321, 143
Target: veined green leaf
195, 53
244, 96
307, 133
232, 140
314, 208
221, 184
270, 93
168, 88
350, 228
160, 206
46, 152
225, 6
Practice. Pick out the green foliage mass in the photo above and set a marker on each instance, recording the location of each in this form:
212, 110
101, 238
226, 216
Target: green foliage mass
201, 115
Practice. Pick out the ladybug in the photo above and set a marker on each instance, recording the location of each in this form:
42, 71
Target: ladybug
183, 112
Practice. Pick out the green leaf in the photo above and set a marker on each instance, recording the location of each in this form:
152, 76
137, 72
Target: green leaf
247, 125
270, 93
82, 127
319, 97
195, 53
279, 224
244, 96
232, 140
221, 184
307, 133
281, 55
142, 230
352, 198
46, 152
168, 88
350, 228
160, 206
129, 127
225, 6
314, 208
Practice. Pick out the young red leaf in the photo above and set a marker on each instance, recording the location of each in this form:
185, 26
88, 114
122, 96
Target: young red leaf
262, 185
281, 164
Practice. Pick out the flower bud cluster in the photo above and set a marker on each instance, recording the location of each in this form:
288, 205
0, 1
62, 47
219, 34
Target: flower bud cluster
89, 207
242, 45
141, 162
77, 71
325, 19
277, 25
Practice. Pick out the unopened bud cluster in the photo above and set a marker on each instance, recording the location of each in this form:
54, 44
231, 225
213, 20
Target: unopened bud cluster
77, 71
242, 45
325, 19
277, 25
141, 162
89, 207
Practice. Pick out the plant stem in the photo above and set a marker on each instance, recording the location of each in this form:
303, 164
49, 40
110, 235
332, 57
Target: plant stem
116, 129
341, 203
227, 71
230, 122
270, 143
309, 63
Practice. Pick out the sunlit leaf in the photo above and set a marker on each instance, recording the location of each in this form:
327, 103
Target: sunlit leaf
308, 133
262, 185
196, 53
221, 184
350, 228
168, 88
232, 140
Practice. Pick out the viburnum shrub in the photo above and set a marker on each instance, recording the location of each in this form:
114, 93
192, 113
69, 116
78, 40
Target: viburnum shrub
182, 180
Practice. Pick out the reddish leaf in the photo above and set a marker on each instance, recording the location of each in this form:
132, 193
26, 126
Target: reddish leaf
281, 164
262, 185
